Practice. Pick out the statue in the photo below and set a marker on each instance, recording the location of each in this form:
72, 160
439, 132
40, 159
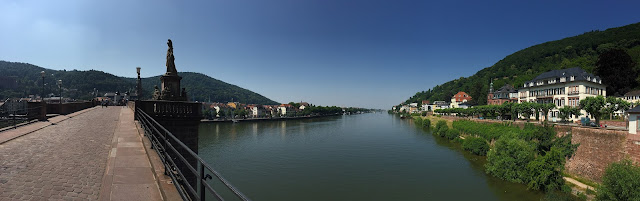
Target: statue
156, 93
171, 65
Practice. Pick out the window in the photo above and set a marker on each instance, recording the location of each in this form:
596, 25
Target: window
572, 78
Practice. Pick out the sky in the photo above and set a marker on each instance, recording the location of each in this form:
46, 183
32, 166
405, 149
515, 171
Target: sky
361, 53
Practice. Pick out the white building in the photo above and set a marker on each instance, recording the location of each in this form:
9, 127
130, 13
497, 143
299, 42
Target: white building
564, 88
632, 97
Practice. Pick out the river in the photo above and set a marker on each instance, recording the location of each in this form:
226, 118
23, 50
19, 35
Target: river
355, 157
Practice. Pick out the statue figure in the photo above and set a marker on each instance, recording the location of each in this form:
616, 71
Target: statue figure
183, 95
166, 94
156, 93
171, 66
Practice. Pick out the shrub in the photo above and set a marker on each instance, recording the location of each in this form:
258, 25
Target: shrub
476, 145
417, 121
426, 123
441, 128
509, 158
620, 181
443, 131
452, 134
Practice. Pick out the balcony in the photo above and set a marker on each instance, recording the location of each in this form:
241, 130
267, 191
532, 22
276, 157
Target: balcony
573, 93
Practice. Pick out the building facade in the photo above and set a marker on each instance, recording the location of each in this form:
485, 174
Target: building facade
564, 88
632, 97
505, 94
459, 98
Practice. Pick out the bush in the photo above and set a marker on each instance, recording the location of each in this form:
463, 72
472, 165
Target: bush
476, 145
620, 181
441, 128
417, 121
452, 134
426, 123
509, 158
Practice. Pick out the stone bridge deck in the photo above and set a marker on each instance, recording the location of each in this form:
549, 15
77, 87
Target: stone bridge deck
95, 154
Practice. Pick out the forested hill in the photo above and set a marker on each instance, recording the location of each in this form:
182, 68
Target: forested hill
80, 84
519, 67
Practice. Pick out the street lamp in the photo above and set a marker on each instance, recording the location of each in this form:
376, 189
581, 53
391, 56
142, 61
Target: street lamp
42, 96
139, 86
60, 90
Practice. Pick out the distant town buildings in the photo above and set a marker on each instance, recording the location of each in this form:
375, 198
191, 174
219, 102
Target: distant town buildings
564, 88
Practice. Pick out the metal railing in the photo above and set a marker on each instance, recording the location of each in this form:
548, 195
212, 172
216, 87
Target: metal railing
13, 117
164, 142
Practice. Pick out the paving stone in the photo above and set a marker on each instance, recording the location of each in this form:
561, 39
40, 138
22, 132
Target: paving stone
59, 160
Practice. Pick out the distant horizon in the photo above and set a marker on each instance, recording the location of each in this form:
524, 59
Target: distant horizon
357, 53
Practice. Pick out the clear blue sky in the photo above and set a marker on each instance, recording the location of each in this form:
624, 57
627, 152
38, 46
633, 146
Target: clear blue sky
364, 53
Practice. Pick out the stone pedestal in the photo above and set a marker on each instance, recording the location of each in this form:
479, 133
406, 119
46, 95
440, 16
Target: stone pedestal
171, 82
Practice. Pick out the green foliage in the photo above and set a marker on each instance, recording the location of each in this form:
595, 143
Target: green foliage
620, 181
524, 65
452, 134
441, 128
476, 145
483, 130
546, 171
599, 106
426, 123
568, 112
616, 68
509, 158
534, 156
417, 121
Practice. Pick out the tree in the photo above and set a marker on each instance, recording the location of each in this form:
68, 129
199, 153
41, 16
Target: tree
568, 112
620, 181
546, 108
526, 109
594, 106
615, 104
615, 67
509, 158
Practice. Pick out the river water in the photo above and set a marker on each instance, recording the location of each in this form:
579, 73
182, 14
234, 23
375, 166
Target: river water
355, 157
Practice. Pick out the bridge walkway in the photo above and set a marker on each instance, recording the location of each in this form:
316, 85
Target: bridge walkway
95, 154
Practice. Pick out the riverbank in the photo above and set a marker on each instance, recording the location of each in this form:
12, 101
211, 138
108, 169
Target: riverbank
265, 119
580, 186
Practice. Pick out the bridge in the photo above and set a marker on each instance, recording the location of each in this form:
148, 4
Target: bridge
104, 154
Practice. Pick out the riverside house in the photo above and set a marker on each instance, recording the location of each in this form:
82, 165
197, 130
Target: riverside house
564, 88
459, 98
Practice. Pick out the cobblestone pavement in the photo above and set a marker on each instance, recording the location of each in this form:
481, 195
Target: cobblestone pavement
65, 161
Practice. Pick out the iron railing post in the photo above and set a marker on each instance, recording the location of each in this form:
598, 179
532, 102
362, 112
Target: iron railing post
201, 180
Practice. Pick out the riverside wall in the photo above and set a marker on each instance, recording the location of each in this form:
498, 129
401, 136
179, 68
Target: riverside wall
598, 148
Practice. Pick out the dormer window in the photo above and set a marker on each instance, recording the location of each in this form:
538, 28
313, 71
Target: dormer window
573, 78
599, 81
563, 79
594, 80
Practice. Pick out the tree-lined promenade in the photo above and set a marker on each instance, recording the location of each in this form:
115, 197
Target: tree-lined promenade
596, 107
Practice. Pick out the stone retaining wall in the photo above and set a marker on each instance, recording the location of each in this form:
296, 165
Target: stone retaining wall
614, 123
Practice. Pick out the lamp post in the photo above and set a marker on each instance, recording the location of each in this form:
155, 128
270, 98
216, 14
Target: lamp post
42, 95
60, 90
139, 85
